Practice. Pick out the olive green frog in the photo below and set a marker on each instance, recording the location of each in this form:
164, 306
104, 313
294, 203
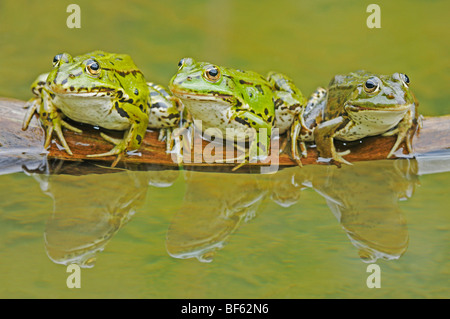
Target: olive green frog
355, 106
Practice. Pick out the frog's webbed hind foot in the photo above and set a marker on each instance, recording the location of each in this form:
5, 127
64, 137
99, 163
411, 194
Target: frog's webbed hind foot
297, 145
118, 149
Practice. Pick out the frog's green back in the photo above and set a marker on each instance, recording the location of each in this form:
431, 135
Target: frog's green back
254, 89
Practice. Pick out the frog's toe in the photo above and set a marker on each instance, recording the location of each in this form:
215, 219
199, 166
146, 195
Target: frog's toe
70, 127
400, 139
239, 165
48, 136
62, 139
117, 150
31, 109
390, 133
338, 157
112, 140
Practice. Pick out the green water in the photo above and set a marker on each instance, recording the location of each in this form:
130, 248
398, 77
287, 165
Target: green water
275, 236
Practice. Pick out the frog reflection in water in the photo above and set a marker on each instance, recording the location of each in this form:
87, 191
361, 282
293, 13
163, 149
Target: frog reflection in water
355, 106
101, 89
363, 197
85, 218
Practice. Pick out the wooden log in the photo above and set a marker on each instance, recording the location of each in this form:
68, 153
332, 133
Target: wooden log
17, 144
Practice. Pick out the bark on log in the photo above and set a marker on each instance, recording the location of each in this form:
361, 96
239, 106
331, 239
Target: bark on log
16, 143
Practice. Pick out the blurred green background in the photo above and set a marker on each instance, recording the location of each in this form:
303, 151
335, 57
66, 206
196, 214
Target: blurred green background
310, 41
299, 251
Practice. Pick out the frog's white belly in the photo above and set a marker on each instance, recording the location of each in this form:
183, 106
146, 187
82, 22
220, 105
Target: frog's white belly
370, 123
92, 110
215, 119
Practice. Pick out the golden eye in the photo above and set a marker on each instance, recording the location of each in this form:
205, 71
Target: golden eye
372, 85
92, 67
405, 79
212, 73
57, 60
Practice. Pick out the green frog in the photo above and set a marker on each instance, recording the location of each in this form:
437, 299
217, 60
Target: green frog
242, 101
355, 106
98, 88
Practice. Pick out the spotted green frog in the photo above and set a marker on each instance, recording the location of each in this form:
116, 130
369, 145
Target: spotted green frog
97, 88
354, 106
241, 101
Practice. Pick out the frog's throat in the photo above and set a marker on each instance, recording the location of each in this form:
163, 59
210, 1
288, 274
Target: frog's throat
397, 108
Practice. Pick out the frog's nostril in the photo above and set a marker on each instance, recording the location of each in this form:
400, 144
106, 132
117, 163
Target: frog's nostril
189, 78
71, 75
390, 96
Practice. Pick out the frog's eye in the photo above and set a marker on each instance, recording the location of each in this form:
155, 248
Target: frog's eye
405, 79
181, 64
57, 60
372, 85
92, 67
184, 62
212, 73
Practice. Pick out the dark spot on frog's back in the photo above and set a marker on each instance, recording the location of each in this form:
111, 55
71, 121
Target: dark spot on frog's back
139, 138
245, 82
121, 111
136, 92
259, 88
266, 111
241, 120
277, 102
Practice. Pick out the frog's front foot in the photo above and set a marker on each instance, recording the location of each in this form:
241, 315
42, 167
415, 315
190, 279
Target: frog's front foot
405, 132
56, 125
31, 107
51, 121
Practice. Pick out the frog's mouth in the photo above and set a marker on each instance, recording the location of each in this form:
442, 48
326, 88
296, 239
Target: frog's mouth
82, 91
361, 108
209, 96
